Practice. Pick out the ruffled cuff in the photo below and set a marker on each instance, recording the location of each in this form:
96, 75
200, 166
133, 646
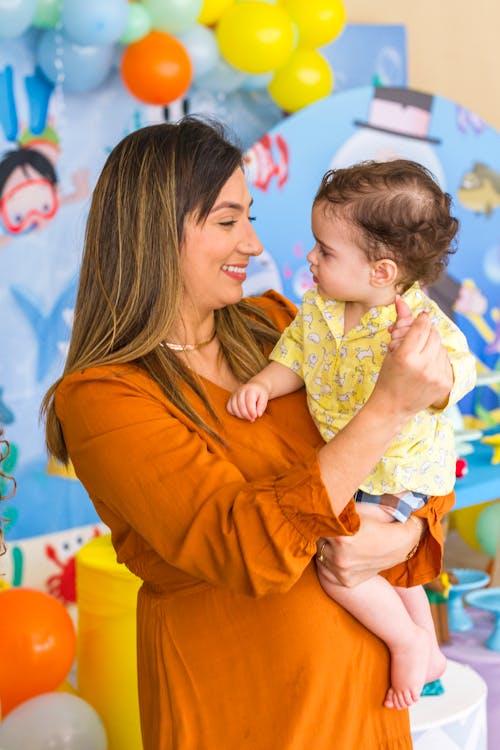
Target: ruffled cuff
304, 501
427, 562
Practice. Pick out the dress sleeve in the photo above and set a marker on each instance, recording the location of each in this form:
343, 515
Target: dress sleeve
427, 563
146, 465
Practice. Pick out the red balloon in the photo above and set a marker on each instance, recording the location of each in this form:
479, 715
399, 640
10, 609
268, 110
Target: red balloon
156, 69
38, 644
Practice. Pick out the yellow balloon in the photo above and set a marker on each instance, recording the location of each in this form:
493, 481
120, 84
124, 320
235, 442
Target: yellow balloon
66, 687
255, 37
464, 521
304, 79
212, 10
318, 21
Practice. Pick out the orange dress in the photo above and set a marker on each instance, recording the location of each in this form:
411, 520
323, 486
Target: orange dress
238, 645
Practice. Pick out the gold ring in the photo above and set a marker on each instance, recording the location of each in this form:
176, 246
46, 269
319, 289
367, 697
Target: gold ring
320, 556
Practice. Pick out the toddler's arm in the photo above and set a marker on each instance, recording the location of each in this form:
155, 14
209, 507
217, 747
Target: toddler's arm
249, 401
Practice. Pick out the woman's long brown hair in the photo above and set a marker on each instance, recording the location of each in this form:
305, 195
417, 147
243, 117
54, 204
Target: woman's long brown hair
130, 283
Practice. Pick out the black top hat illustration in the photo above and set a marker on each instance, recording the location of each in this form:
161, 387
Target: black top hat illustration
400, 111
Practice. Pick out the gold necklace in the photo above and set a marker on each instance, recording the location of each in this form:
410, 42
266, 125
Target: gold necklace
188, 347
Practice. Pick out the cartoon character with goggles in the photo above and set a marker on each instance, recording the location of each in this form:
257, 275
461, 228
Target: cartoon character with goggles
29, 196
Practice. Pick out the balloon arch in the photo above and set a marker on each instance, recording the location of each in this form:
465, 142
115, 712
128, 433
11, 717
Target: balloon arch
163, 48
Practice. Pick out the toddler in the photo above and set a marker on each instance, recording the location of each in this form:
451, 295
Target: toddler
382, 230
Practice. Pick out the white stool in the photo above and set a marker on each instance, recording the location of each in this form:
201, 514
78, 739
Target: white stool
455, 720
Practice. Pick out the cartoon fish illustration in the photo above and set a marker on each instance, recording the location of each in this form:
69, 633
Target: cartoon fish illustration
480, 189
52, 330
261, 164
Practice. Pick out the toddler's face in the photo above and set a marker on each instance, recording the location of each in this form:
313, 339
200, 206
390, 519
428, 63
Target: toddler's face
338, 265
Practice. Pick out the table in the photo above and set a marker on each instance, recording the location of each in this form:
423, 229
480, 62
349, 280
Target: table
482, 482
455, 720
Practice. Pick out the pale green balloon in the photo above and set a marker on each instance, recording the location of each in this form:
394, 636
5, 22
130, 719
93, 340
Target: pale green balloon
173, 16
47, 13
138, 24
488, 528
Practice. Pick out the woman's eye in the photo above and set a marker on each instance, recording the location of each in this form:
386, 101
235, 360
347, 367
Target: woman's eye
252, 218
228, 223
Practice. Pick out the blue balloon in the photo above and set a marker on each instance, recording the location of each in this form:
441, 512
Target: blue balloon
257, 82
202, 48
77, 67
94, 22
221, 78
15, 17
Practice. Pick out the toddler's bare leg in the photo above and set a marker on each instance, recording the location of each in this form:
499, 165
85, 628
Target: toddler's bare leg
402, 619
376, 604
418, 607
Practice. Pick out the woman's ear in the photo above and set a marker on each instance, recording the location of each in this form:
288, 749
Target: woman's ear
384, 272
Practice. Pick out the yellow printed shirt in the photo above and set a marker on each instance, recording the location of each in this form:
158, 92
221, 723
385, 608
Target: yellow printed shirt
340, 371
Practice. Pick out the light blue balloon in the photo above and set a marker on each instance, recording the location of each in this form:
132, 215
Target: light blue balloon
222, 78
60, 721
257, 82
173, 16
15, 17
77, 67
202, 48
94, 22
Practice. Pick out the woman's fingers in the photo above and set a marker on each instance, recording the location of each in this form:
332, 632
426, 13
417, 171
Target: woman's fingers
402, 309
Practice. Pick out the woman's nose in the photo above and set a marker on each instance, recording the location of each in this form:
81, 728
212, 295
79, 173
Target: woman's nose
250, 243
311, 255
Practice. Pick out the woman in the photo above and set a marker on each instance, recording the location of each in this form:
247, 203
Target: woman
238, 647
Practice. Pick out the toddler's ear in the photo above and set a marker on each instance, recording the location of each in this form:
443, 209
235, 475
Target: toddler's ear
384, 272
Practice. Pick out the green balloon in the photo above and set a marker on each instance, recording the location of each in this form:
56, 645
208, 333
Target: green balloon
488, 528
47, 13
173, 16
138, 24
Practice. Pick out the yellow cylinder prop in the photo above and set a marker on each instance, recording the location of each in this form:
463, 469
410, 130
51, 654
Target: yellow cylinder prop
106, 641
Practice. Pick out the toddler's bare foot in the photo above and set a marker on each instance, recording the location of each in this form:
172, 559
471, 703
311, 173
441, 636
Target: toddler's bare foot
409, 669
437, 664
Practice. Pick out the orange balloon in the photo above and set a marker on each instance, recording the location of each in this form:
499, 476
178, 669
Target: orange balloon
38, 643
156, 69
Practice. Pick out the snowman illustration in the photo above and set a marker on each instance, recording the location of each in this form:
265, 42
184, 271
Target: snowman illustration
397, 128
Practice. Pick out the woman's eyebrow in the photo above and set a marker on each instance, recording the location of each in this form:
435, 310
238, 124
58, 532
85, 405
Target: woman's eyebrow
229, 204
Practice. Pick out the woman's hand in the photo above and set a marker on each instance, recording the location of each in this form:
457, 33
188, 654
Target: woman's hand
377, 546
416, 372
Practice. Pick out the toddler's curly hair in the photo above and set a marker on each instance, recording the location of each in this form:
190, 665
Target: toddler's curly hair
399, 212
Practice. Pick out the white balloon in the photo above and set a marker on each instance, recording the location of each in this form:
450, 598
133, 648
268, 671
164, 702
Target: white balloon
53, 721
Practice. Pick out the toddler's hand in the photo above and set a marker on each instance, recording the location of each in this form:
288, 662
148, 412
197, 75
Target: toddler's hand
248, 402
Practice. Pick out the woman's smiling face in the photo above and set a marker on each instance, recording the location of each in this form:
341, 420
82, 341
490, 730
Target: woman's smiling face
215, 253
